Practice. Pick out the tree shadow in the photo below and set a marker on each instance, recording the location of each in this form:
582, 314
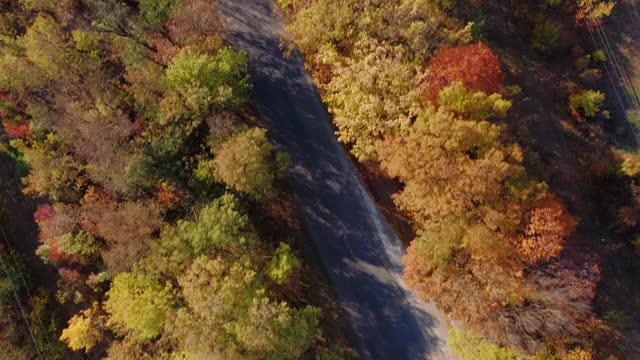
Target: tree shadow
16, 216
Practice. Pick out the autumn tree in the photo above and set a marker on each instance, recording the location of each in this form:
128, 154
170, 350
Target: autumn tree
547, 226
84, 330
630, 165
138, 306
558, 305
112, 104
594, 10
324, 22
475, 65
418, 25
466, 192
53, 172
240, 309
248, 162
450, 166
192, 26
156, 12
99, 134
371, 95
45, 45
127, 230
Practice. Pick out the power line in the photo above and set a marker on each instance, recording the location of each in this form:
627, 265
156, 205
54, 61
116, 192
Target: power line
622, 68
612, 59
22, 312
24, 283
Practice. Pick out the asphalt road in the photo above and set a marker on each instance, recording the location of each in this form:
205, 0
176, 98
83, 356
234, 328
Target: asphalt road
358, 249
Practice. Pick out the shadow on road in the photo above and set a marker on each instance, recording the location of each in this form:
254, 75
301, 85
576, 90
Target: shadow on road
360, 252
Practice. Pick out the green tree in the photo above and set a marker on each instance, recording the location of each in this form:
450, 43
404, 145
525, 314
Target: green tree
81, 244
220, 227
274, 329
588, 100
467, 346
545, 35
36, 4
282, 264
204, 80
53, 172
114, 17
217, 293
249, 163
45, 46
474, 105
156, 12
138, 306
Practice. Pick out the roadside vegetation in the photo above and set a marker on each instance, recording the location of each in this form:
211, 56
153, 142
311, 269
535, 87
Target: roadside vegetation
437, 95
160, 202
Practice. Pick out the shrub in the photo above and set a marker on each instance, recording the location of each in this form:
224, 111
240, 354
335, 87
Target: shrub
630, 164
599, 56
545, 35
587, 100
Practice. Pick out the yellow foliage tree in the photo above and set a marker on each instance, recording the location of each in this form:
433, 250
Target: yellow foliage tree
547, 225
83, 332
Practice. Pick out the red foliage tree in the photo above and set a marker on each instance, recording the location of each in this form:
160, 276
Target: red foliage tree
55, 254
166, 50
95, 194
167, 196
17, 131
475, 65
70, 275
43, 212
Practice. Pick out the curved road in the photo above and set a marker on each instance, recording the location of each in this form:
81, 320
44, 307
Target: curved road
358, 249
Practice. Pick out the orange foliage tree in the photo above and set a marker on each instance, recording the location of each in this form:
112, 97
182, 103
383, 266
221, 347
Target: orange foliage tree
475, 65
547, 225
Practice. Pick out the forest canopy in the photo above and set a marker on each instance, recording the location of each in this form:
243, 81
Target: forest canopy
132, 117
